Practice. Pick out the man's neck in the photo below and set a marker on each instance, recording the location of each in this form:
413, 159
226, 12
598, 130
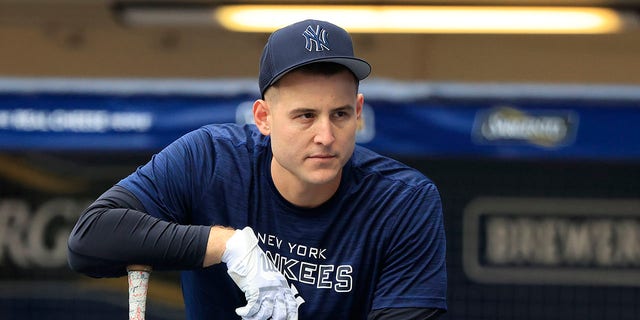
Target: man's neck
298, 192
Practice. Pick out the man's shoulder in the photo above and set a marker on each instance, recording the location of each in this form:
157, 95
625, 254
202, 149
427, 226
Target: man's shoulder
370, 164
231, 131
228, 134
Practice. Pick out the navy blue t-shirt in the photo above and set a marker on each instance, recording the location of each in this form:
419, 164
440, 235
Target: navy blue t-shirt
379, 242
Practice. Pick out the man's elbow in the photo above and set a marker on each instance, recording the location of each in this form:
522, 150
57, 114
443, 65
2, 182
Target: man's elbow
76, 260
87, 264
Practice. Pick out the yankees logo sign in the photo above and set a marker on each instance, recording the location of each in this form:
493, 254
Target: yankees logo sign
316, 39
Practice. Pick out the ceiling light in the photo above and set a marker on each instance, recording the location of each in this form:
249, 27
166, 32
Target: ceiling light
424, 19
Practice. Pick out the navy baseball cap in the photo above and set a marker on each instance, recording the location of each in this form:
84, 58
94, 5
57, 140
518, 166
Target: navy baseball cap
307, 42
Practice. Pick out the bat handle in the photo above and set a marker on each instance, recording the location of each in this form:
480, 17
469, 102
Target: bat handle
138, 278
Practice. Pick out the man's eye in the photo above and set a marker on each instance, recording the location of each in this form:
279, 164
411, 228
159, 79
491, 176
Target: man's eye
306, 115
341, 114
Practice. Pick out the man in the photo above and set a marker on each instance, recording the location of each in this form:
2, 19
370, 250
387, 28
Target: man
307, 224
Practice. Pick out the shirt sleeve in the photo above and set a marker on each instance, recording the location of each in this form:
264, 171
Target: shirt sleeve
146, 218
171, 184
414, 273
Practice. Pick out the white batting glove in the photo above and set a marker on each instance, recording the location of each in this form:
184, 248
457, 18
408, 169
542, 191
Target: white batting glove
265, 288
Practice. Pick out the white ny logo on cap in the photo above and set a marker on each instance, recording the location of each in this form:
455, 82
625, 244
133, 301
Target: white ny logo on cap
316, 38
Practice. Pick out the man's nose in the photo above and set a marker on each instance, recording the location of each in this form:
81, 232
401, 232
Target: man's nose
324, 132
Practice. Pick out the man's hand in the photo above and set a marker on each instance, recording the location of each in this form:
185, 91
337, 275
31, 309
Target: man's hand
265, 288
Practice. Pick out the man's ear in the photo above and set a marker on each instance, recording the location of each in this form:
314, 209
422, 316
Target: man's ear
359, 105
262, 116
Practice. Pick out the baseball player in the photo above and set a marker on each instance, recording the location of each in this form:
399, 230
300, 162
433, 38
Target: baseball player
284, 219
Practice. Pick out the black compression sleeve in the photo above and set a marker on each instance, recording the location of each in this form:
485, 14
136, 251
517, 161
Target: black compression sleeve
405, 314
115, 232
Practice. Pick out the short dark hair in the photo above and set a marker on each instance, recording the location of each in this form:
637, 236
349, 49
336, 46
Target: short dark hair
324, 68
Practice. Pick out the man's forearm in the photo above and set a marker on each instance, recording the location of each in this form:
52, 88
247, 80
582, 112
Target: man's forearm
113, 232
216, 244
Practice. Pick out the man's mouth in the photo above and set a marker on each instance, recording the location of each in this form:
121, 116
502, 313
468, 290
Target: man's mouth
322, 156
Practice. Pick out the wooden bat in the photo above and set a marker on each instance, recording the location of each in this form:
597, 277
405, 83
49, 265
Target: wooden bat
138, 278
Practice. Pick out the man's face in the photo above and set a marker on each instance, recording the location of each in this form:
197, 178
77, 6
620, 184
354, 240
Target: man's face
312, 120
